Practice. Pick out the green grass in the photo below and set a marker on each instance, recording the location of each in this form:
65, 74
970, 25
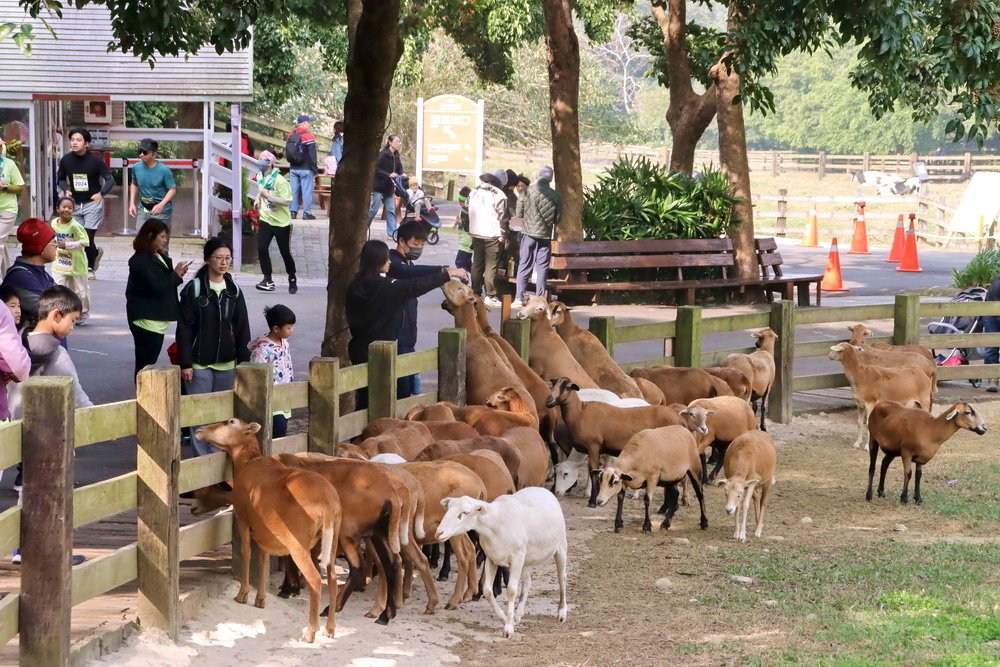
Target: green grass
974, 498
886, 602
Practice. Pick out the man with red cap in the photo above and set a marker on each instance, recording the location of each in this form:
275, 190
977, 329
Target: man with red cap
27, 277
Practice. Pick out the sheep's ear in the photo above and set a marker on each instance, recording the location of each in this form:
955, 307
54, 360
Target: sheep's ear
756, 334
445, 502
481, 508
720, 481
850, 328
626, 477
574, 387
868, 332
253, 427
709, 412
951, 415
684, 413
750, 483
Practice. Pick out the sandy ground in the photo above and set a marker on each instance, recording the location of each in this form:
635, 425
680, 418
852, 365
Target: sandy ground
617, 612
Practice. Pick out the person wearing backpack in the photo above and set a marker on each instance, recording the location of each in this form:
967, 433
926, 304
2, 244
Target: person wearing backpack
300, 151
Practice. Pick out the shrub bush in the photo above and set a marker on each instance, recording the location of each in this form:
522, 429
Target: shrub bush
636, 198
980, 271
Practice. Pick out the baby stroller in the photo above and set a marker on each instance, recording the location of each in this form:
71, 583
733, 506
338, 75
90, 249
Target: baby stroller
960, 324
421, 210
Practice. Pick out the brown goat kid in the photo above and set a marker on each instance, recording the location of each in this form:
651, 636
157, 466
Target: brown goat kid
915, 436
285, 510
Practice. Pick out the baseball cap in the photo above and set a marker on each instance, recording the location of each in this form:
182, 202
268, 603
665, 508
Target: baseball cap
149, 145
304, 119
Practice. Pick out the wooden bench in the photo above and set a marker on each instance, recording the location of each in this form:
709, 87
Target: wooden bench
775, 280
670, 265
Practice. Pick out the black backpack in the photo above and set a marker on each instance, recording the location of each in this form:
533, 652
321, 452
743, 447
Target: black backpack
295, 150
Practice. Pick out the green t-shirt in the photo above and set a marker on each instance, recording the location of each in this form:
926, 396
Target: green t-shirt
70, 262
271, 213
154, 183
219, 288
154, 326
11, 176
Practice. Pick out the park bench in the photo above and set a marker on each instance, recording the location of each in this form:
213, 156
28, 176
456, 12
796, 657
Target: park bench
676, 265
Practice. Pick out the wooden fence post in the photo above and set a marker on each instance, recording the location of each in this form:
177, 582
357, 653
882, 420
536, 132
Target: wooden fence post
381, 379
687, 343
822, 164
451, 365
774, 163
253, 386
967, 162
866, 162
518, 334
906, 328
324, 405
46, 522
506, 305
158, 430
782, 210
604, 329
779, 402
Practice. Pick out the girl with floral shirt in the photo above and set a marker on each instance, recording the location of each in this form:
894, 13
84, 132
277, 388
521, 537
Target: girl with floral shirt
273, 349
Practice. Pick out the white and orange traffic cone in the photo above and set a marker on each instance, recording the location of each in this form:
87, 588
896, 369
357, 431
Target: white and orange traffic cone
898, 241
910, 261
859, 244
810, 239
833, 281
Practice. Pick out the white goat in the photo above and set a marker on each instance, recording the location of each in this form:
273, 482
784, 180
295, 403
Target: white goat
518, 531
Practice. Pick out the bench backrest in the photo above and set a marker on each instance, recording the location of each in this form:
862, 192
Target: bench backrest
653, 253
768, 257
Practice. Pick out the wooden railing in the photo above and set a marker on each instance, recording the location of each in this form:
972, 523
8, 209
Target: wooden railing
51, 430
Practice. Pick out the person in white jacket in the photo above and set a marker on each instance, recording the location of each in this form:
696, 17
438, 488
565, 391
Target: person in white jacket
488, 218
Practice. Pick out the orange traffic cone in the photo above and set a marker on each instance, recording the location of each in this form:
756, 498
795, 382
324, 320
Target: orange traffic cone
809, 239
896, 254
859, 244
832, 280
910, 262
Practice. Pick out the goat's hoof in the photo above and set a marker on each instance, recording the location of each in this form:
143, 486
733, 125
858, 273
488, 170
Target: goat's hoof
477, 597
904, 500
562, 614
241, 597
918, 501
618, 527
665, 525
592, 504
704, 524
442, 577
868, 496
383, 619
259, 603
451, 605
429, 611
329, 632
881, 494
647, 527
325, 612
370, 614
309, 636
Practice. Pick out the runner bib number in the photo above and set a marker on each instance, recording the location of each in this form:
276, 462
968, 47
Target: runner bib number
64, 260
81, 183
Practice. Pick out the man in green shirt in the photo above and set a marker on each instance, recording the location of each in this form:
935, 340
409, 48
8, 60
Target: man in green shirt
11, 185
153, 184
275, 221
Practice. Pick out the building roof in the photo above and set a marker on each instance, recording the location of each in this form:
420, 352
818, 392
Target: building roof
76, 62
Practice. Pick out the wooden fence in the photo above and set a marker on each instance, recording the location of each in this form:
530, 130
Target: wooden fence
51, 430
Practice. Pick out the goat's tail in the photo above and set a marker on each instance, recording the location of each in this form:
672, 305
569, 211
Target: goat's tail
326, 551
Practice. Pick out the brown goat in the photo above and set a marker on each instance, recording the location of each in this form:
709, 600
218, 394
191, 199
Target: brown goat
739, 384
679, 385
443, 448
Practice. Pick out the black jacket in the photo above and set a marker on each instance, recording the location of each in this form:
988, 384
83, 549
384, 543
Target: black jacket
993, 293
151, 291
375, 308
213, 328
401, 268
388, 163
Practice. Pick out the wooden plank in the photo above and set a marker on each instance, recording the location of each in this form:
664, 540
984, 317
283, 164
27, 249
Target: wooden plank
948, 308
970, 372
105, 498
416, 362
291, 396
290, 444
207, 408
709, 359
104, 422
206, 535
603, 329
352, 424
640, 261
687, 342
381, 379
10, 529
47, 521
10, 444
104, 573
644, 246
742, 322
818, 348
158, 397
353, 377
518, 334
324, 404
824, 381
634, 333
960, 340
202, 471
906, 319
253, 387
403, 405
451, 365
8, 617
629, 365
848, 314
779, 401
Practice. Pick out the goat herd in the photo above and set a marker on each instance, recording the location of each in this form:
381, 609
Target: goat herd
473, 477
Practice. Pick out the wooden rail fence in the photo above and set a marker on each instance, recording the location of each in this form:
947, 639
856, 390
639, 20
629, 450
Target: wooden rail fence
52, 429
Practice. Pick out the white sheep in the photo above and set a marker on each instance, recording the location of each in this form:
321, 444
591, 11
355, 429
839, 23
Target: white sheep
611, 398
518, 531
387, 458
749, 468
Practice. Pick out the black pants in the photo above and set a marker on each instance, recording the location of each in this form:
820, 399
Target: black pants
279, 426
91, 250
147, 346
283, 235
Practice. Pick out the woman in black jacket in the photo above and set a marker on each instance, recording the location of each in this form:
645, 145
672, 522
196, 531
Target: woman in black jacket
213, 329
375, 303
151, 292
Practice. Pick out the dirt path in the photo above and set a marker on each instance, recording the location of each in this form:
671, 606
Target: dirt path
618, 614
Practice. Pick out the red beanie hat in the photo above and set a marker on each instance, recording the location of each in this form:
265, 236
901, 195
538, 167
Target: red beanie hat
34, 234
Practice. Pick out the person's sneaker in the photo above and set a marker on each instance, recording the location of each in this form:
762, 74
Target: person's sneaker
91, 275
293, 285
492, 302
308, 216
78, 558
295, 215
15, 557
82, 320
991, 385
97, 260
265, 285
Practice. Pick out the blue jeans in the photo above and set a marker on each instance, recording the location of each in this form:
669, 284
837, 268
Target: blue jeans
991, 324
384, 198
534, 254
303, 182
206, 380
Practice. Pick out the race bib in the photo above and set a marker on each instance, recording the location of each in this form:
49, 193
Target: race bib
64, 260
81, 183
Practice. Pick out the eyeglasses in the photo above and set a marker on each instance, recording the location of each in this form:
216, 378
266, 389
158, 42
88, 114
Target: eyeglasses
225, 259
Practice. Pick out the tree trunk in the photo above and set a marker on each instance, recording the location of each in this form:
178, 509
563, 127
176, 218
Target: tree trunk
373, 55
689, 114
736, 167
563, 52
